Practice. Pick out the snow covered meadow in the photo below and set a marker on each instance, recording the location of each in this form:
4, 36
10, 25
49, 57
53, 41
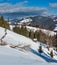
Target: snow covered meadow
25, 52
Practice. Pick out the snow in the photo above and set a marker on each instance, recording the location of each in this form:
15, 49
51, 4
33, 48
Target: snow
48, 32
20, 56
32, 28
2, 32
13, 38
55, 29
28, 20
11, 27
55, 20
10, 56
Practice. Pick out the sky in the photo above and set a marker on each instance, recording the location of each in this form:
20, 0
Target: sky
42, 7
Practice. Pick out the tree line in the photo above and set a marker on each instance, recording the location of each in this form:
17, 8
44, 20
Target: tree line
3, 23
39, 35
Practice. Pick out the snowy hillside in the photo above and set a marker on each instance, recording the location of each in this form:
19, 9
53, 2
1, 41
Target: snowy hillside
9, 56
55, 29
13, 38
25, 52
48, 32
28, 20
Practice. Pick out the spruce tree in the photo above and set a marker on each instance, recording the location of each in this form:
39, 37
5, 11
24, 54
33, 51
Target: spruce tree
34, 35
38, 36
51, 54
40, 49
30, 33
4, 23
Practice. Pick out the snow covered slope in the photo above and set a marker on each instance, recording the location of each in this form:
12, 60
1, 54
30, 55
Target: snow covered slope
20, 56
48, 32
9, 56
28, 20
55, 29
13, 38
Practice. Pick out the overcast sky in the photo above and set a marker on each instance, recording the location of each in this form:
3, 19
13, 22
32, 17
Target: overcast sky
44, 7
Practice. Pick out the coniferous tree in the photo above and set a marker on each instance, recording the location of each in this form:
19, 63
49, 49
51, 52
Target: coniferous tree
4, 23
25, 32
40, 49
30, 33
51, 54
55, 41
34, 35
38, 36
56, 49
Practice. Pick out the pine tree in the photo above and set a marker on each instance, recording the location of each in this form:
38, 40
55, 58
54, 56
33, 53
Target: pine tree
25, 31
22, 30
34, 35
30, 33
38, 36
55, 41
40, 49
56, 49
4, 23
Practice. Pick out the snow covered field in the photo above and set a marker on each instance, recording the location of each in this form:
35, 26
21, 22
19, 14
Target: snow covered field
9, 56
20, 56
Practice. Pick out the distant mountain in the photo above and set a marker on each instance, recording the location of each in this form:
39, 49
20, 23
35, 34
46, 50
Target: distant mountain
17, 15
47, 22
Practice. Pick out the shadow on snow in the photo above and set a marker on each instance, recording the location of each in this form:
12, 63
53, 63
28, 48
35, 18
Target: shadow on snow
44, 56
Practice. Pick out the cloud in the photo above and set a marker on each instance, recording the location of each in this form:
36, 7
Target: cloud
54, 5
21, 7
